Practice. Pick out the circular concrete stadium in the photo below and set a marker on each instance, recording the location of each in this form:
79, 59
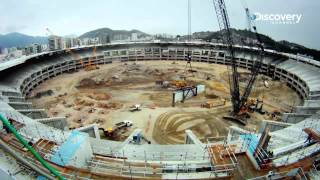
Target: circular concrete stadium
64, 103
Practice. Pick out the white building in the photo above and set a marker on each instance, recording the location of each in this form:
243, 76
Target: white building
33, 49
55, 43
17, 53
70, 42
4, 51
134, 36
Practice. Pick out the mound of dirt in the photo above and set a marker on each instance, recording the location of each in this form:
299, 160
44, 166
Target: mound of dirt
99, 96
83, 102
111, 105
211, 95
87, 82
44, 93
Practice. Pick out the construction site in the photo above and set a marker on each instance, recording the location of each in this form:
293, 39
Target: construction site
161, 110
107, 96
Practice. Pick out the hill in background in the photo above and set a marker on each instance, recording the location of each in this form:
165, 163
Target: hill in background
20, 40
112, 34
245, 37
242, 37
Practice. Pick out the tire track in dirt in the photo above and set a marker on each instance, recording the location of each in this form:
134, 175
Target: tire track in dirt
170, 127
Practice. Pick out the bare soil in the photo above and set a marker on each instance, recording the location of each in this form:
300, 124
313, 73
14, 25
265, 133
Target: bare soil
105, 96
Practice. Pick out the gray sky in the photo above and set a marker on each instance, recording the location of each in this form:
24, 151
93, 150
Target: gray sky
65, 17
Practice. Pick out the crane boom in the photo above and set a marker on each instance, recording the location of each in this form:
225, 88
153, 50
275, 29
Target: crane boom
224, 25
257, 64
249, 22
238, 103
49, 32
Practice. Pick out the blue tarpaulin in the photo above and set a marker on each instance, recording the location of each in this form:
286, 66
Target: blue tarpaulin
68, 148
251, 141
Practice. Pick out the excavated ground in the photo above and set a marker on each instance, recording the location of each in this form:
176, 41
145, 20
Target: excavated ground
104, 96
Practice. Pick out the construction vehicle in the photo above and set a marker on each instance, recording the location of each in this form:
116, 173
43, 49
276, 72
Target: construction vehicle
163, 84
138, 138
90, 66
76, 56
113, 131
256, 66
136, 107
253, 105
239, 103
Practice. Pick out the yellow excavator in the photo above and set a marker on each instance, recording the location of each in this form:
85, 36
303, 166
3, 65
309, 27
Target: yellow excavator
90, 66
87, 67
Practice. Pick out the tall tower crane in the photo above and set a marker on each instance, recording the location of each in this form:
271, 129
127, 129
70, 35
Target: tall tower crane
238, 103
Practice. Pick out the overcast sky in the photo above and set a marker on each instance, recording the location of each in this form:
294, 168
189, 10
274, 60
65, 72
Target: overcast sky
65, 17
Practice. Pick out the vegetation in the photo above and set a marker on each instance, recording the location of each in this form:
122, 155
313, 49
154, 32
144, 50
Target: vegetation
246, 37
112, 34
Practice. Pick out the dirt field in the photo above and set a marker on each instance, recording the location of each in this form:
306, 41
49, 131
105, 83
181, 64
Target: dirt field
105, 96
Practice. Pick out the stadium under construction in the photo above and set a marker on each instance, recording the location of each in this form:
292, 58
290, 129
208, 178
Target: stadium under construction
276, 146
161, 110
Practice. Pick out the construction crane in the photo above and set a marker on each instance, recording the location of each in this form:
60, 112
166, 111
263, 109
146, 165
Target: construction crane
224, 25
239, 104
248, 15
254, 71
50, 33
257, 64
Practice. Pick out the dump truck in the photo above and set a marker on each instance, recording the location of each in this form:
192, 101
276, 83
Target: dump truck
111, 132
